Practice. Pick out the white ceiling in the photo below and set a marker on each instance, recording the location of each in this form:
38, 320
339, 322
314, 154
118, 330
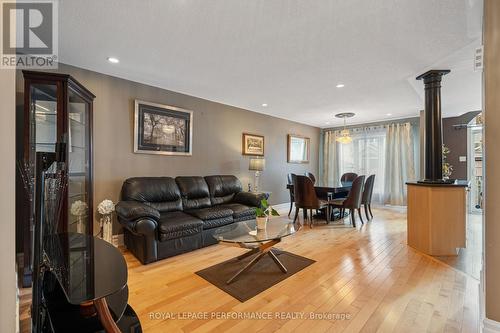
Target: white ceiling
288, 54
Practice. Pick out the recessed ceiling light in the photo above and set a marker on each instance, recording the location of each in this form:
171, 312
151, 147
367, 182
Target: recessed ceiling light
389, 114
328, 123
113, 60
340, 85
264, 105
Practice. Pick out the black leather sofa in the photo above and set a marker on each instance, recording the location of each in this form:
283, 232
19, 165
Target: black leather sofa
163, 216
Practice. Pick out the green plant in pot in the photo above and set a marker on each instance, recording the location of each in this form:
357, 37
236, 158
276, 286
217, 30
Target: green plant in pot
263, 212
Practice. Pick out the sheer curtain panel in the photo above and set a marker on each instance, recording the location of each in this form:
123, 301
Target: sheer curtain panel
330, 168
387, 151
400, 163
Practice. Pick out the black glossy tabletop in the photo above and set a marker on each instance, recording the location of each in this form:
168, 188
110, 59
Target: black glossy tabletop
86, 267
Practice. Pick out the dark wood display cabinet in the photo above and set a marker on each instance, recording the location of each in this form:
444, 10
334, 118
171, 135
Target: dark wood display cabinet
84, 287
79, 281
57, 116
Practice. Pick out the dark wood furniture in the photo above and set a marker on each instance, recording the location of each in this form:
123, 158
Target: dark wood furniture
347, 178
85, 287
306, 198
366, 199
311, 176
79, 281
56, 109
290, 190
326, 193
353, 200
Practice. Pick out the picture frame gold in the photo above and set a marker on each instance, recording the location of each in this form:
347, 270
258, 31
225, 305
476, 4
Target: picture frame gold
252, 144
298, 149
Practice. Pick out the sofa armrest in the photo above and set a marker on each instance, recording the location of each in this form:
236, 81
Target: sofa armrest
134, 210
250, 198
142, 226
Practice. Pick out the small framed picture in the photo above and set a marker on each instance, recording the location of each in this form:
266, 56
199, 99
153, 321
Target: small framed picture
162, 129
298, 149
253, 144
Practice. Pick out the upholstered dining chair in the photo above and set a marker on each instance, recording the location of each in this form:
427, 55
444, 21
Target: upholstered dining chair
306, 198
292, 200
366, 199
311, 176
347, 178
353, 200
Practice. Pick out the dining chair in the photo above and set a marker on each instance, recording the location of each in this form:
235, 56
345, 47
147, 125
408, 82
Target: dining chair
311, 176
366, 199
292, 200
347, 178
306, 198
353, 200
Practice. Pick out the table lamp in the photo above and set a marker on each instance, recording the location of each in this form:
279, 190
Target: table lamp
257, 165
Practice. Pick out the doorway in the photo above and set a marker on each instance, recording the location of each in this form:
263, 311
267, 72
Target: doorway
475, 165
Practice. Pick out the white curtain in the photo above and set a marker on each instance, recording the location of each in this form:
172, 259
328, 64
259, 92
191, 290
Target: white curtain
387, 151
365, 155
400, 163
330, 168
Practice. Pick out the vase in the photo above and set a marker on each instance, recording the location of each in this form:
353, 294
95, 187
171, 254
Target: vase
80, 225
261, 223
107, 230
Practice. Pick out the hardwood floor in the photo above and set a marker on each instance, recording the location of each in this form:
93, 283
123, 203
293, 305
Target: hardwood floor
469, 260
367, 275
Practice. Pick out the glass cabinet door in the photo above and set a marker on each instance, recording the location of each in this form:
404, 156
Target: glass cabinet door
42, 138
78, 169
43, 118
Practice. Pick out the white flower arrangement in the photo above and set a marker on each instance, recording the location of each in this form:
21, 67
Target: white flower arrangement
78, 208
106, 207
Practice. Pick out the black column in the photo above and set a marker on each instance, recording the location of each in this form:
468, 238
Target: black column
433, 126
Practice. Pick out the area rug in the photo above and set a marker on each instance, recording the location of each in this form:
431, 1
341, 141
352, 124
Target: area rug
263, 275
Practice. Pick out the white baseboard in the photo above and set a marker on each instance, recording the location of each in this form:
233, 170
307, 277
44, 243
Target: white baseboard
490, 326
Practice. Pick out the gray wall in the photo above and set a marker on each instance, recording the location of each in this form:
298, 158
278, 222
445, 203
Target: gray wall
456, 140
217, 131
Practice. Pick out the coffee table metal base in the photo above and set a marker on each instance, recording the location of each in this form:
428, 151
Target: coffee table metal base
259, 250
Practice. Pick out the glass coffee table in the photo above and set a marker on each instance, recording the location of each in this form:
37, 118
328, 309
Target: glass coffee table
258, 242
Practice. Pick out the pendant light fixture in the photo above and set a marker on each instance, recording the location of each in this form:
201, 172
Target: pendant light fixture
345, 136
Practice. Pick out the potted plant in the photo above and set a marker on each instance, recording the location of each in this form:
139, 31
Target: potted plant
262, 214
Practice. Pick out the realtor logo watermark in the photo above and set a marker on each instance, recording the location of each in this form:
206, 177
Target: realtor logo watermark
29, 37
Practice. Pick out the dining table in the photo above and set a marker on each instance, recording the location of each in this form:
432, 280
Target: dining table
328, 192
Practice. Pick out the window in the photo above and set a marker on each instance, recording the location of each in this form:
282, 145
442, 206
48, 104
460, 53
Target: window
390, 152
365, 155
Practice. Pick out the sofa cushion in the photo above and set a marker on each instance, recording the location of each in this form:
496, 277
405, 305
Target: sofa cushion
160, 193
133, 210
174, 225
239, 210
210, 213
194, 192
209, 224
223, 188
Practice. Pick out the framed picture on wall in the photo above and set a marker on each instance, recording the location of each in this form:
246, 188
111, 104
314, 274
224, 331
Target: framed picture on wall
298, 149
162, 129
253, 144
